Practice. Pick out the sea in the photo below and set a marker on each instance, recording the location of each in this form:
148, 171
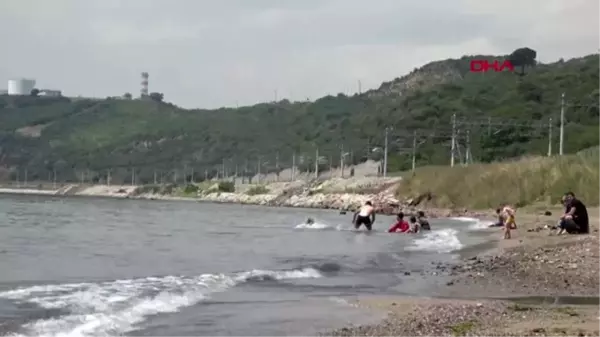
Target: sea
79, 266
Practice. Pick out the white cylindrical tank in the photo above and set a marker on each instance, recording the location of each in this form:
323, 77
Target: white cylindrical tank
20, 86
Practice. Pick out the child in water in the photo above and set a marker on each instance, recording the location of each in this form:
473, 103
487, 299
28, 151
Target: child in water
414, 224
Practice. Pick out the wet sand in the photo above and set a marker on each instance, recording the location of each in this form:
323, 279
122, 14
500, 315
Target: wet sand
451, 317
533, 263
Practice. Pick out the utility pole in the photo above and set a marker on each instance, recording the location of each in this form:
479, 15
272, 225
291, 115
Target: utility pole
132, 177
385, 152
108, 178
562, 124
489, 126
275, 91
54, 178
205, 174
414, 152
317, 163
359, 87
293, 166
258, 170
453, 144
342, 160
277, 165
192, 176
330, 167
245, 170
468, 149
154, 176
550, 137
223, 169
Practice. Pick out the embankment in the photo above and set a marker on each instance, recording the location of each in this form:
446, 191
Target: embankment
336, 193
534, 180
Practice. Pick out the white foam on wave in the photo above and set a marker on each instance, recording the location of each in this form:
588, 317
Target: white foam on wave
116, 307
315, 225
440, 241
474, 223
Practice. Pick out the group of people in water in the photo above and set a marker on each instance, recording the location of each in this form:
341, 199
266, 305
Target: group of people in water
574, 220
366, 216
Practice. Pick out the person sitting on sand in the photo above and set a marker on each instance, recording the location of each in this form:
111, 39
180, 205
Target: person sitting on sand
576, 219
414, 224
500, 221
401, 226
423, 222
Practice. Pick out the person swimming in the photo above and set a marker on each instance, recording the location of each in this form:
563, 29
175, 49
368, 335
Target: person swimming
310, 221
365, 216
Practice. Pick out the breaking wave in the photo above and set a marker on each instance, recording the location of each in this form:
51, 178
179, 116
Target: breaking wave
474, 223
116, 307
439, 241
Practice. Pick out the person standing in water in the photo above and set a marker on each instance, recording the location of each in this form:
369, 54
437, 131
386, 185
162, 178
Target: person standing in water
415, 225
423, 222
365, 216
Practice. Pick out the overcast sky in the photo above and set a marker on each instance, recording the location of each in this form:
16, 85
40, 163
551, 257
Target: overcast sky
203, 53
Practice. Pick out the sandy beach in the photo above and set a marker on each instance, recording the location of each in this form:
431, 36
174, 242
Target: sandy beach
535, 267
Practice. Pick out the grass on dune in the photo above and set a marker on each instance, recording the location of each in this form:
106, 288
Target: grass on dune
520, 182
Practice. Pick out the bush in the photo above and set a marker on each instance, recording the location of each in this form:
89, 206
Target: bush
226, 186
255, 190
155, 189
190, 189
147, 189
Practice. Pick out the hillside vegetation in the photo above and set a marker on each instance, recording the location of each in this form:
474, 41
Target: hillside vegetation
521, 182
87, 138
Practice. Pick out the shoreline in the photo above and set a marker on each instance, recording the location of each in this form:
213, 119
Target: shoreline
385, 202
521, 275
533, 263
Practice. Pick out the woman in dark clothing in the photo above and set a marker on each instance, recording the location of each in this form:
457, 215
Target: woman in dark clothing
423, 222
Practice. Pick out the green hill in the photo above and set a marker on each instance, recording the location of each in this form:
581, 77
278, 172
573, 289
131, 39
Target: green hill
46, 135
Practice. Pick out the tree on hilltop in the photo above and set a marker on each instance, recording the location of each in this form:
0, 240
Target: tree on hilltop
157, 96
523, 57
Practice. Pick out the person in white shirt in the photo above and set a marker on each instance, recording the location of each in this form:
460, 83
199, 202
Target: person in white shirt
365, 216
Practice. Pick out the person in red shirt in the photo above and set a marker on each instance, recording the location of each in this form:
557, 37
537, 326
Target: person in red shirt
401, 226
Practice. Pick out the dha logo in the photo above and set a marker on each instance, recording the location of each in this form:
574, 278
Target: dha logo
483, 66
